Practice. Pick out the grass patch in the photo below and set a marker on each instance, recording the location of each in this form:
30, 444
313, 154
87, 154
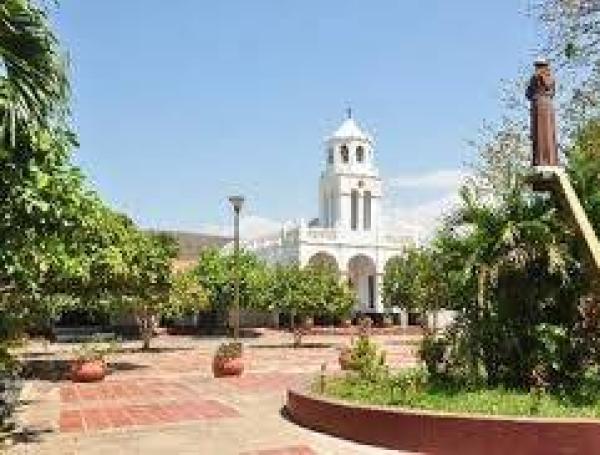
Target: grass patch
446, 397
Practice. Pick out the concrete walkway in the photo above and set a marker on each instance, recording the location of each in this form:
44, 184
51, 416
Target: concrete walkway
168, 402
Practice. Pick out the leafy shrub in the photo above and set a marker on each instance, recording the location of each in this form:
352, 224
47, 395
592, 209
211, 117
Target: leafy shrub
366, 360
231, 350
433, 352
9, 365
561, 357
94, 350
406, 384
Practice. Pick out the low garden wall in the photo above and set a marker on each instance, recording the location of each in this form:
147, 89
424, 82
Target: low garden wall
440, 433
355, 330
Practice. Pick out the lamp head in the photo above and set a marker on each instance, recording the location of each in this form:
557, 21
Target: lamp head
236, 202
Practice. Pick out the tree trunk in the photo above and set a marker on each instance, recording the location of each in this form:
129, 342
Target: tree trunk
434, 321
481, 279
298, 337
147, 336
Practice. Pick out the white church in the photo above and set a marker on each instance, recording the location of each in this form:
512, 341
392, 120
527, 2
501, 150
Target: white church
348, 232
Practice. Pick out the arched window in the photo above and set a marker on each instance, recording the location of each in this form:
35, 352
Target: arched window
345, 154
367, 210
330, 156
354, 210
360, 154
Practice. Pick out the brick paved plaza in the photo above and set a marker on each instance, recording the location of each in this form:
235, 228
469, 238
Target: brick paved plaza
167, 401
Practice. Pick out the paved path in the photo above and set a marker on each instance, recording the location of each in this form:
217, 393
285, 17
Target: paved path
168, 402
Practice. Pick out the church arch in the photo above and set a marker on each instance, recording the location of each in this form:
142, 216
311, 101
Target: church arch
362, 277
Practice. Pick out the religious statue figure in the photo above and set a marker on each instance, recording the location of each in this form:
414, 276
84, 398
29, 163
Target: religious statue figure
543, 124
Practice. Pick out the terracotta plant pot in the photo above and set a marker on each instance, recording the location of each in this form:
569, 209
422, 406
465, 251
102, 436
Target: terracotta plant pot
345, 359
88, 370
388, 322
222, 366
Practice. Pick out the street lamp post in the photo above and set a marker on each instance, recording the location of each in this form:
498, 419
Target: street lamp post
236, 203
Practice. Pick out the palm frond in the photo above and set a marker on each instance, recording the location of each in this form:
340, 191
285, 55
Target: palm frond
33, 87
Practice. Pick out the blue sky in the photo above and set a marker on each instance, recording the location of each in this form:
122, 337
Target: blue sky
180, 103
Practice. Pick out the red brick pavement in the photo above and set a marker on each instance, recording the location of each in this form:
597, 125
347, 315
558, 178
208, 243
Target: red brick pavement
158, 394
130, 389
105, 417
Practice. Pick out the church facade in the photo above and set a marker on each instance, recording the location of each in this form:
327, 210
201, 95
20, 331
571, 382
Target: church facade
348, 233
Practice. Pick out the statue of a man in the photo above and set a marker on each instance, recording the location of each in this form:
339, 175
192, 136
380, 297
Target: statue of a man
543, 125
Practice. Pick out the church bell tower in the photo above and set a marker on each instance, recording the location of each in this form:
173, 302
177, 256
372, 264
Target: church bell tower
350, 187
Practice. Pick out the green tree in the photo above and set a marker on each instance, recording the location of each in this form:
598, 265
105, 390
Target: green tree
401, 281
417, 281
309, 291
216, 274
62, 247
187, 295
150, 280
518, 275
583, 166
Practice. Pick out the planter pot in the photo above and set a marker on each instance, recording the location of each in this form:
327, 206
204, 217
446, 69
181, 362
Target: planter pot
227, 366
309, 323
388, 322
345, 359
88, 370
347, 323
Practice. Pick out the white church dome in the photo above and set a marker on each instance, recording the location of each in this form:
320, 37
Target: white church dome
349, 129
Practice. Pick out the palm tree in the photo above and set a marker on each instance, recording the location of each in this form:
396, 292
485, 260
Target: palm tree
509, 235
512, 256
33, 80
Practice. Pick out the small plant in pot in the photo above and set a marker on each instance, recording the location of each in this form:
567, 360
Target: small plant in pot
228, 360
89, 363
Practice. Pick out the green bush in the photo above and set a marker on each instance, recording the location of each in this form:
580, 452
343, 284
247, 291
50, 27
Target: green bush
366, 360
433, 352
231, 350
405, 384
